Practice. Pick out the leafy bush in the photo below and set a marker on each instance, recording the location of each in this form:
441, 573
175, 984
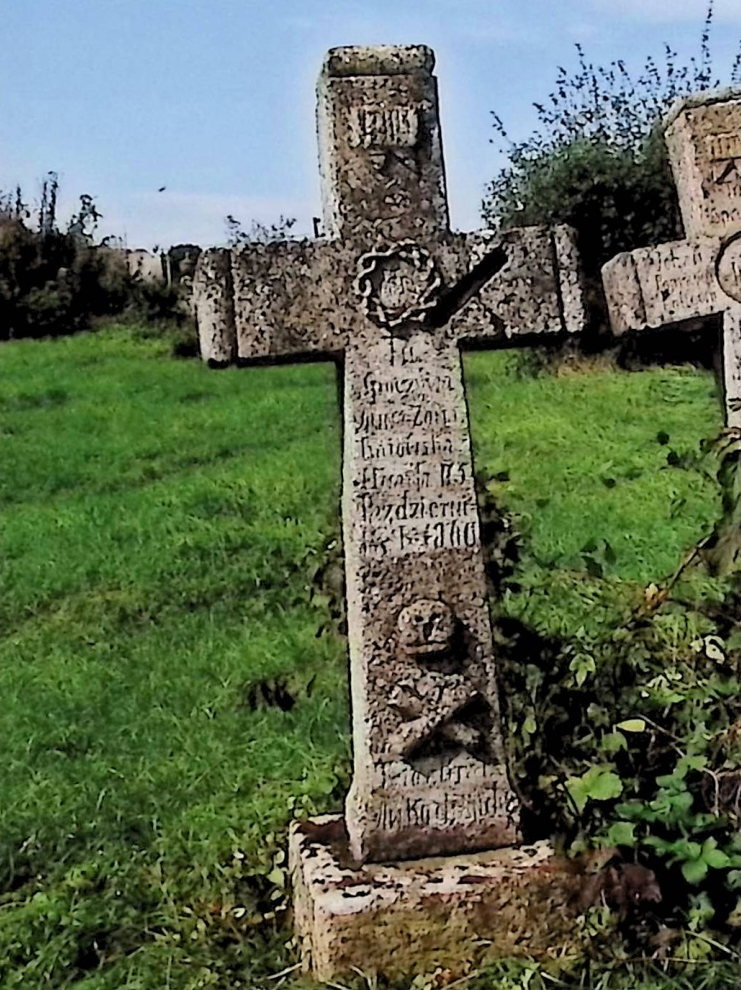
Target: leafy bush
54, 282
597, 158
616, 196
626, 740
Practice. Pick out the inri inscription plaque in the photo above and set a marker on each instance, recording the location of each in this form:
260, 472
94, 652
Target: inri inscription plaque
394, 294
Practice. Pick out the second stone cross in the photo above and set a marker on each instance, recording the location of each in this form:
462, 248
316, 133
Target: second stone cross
700, 276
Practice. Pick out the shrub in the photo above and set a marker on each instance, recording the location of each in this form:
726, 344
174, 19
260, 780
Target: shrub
625, 738
597, 159
54, 282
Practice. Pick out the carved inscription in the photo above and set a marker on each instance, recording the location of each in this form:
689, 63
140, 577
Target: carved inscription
724, 153
414, 492
435, 761
717, 194
452, 772
668, 291
652, 287
462, 809
386, 127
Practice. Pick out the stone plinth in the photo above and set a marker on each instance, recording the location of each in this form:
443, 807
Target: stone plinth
401, 919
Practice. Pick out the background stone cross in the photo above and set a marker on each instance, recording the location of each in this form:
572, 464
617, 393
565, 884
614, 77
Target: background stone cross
700, 276
393, 294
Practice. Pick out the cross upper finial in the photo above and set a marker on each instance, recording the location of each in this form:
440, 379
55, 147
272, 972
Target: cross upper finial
703, 137
380, 152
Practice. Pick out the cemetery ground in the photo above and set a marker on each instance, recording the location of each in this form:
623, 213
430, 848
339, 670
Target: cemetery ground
172, 680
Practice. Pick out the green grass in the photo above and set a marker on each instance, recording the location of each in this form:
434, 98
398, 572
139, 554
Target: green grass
160, 526
595, 457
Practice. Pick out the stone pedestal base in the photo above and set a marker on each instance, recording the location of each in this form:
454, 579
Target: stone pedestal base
401, 919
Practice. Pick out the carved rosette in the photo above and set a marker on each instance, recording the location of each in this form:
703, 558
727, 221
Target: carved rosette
398, 285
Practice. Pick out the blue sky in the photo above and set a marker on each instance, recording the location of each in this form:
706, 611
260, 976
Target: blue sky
214, 99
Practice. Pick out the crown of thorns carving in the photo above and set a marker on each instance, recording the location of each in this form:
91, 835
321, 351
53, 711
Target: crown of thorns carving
397, 285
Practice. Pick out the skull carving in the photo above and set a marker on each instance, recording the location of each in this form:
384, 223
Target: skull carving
426, 629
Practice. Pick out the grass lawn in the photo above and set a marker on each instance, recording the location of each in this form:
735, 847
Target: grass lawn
161, 525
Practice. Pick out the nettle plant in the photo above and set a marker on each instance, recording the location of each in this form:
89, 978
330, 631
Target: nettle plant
626, 740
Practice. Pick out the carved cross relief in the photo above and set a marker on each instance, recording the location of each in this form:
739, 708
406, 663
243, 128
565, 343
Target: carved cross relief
393, 294
700, 276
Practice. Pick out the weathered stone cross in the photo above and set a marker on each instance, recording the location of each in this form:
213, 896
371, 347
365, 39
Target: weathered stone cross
394, 294
700, 276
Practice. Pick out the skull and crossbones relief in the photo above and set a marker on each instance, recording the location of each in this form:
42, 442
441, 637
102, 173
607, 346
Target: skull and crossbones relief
433, 697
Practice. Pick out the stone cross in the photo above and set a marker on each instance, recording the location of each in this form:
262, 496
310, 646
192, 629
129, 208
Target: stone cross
393, 294
700, 276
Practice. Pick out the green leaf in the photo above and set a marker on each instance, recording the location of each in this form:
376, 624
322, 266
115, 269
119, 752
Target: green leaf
660, 845
632, 725
606, 787
714, 857
621, 834
682, 801
686, 849
582, 665
687, 763
611, 742
670, 781
717, 859
694, 871
597, 784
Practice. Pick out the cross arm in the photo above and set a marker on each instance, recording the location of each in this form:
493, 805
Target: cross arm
270, 301
522, 281
654, 286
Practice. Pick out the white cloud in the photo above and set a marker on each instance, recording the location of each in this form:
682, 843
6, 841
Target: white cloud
148, 219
